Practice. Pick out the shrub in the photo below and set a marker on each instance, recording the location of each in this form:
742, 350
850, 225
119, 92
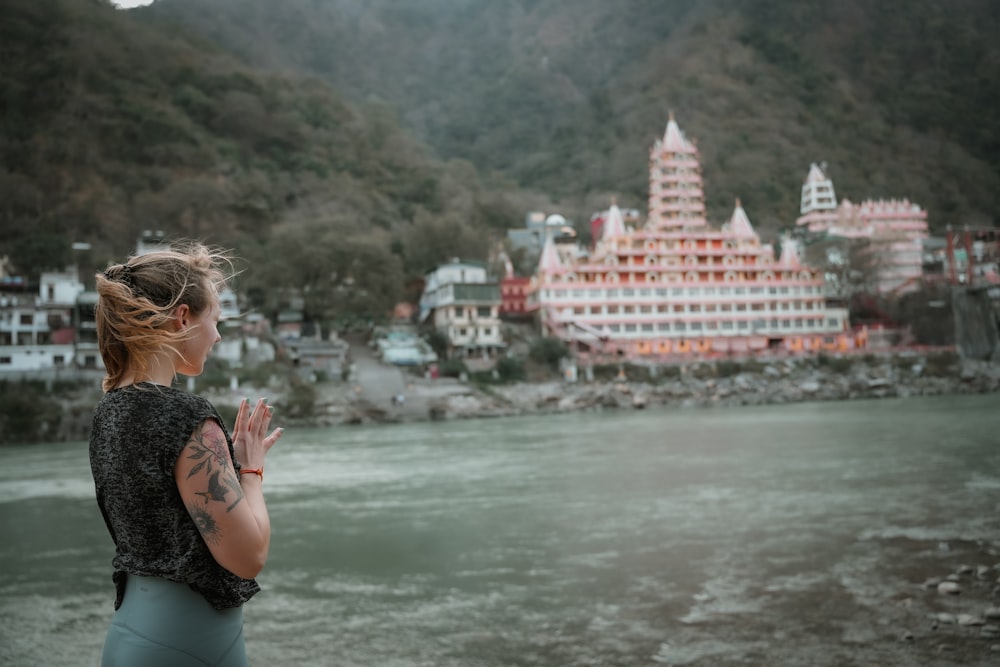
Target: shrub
510, 369
548, 351
835, 364
28, 413
301, 400
726, 368
941, 364
453, 368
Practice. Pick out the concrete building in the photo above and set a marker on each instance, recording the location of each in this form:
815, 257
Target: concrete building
461, 301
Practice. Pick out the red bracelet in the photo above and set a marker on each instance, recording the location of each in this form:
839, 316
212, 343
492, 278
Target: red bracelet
253, 471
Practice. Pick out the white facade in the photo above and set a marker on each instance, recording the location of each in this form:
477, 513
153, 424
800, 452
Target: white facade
895, 230
37, 332
461, 302
35, 357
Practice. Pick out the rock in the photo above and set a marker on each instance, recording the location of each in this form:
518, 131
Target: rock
992, 614
969, 620
989, 631
949, 588
809, 387
945, 619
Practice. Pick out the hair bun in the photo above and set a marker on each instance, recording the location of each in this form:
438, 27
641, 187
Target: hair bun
121, 273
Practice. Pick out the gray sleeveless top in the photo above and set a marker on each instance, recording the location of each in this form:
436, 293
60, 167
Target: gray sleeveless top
138, 433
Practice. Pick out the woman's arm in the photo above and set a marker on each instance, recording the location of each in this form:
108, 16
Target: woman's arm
229, 509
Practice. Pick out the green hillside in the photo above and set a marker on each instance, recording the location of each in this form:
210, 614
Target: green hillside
336, 143
564, 97
111, 127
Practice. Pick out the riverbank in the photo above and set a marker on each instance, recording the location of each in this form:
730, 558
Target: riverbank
40, 414
706, 384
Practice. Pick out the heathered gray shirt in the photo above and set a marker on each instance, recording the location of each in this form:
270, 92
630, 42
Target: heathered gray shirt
138, 433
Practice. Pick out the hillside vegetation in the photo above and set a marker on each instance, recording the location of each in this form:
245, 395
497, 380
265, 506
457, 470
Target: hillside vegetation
345, 143
112, 127
565, 97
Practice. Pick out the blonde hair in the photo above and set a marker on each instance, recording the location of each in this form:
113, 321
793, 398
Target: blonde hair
137, 299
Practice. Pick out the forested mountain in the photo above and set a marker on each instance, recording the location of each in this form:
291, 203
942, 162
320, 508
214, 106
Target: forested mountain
356, 142
565, 96
111, 127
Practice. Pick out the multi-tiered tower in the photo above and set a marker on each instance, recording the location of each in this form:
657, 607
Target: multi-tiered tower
676, 286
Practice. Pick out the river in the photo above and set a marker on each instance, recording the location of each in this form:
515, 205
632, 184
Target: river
780, 535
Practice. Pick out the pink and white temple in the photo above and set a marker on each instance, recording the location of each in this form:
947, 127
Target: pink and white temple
674, 286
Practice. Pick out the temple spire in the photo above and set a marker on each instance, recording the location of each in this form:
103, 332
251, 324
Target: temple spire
739, 224
789, 252
673, 138
817, 192
614, 225
549, 261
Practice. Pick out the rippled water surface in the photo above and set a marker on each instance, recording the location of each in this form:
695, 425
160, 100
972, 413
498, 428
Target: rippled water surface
792, 535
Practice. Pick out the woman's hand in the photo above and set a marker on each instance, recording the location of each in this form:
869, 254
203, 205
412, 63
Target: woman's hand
251, 441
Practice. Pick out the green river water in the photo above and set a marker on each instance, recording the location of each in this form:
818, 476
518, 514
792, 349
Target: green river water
779, 535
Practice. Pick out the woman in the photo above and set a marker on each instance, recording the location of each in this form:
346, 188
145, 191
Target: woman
183, 500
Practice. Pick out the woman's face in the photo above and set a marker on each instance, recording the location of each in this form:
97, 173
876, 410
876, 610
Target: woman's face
205, 334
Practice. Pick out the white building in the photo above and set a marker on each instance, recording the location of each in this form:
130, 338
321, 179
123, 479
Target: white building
893, 230
462, 302
37, 331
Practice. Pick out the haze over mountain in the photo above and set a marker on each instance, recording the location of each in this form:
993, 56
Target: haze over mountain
344, 142
565, 96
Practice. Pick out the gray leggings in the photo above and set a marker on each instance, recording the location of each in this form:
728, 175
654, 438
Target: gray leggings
161, 623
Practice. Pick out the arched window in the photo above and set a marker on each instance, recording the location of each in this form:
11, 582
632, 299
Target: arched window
691, 276
691, 260
767, 276
571, 277
730, 276
728, 260
612, 277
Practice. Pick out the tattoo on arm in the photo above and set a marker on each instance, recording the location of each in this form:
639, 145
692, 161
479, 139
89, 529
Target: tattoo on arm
210, 451
207, 526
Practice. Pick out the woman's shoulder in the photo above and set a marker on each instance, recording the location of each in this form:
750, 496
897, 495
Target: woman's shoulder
160, 402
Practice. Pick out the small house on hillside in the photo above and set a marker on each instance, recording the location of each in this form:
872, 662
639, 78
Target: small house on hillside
461, 301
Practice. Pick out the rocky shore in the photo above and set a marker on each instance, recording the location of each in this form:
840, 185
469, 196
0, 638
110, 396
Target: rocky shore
698, 385
395, 396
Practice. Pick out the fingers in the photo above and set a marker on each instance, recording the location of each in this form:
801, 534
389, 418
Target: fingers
274, 437
261, 417
242, 416
252, 426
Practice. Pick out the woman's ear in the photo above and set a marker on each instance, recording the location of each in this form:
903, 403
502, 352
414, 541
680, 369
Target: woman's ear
182, 316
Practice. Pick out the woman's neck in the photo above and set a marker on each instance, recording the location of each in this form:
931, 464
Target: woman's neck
159, 371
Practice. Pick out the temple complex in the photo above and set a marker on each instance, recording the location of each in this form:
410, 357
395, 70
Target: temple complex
673, 286
892, 231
